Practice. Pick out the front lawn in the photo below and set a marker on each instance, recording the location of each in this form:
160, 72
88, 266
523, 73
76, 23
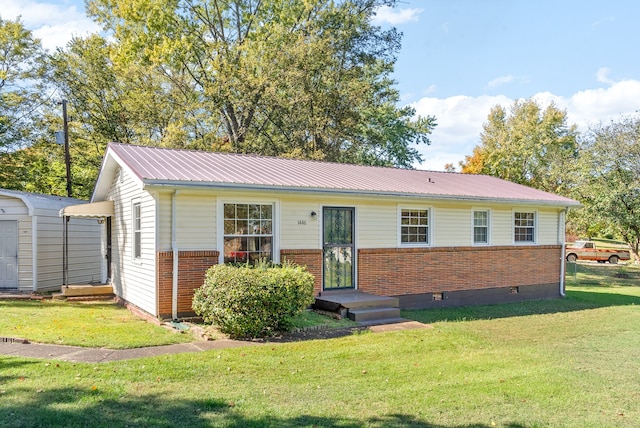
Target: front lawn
90, 324
569, 363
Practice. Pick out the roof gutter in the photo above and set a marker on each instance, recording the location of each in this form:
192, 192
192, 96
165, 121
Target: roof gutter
316, 190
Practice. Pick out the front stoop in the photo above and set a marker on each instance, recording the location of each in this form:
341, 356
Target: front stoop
361, 307
85, 292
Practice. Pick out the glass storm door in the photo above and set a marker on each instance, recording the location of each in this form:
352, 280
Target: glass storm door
339, 249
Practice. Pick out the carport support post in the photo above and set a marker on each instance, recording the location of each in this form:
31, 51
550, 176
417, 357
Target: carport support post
65, 250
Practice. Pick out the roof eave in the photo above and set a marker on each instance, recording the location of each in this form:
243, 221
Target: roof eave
258, 187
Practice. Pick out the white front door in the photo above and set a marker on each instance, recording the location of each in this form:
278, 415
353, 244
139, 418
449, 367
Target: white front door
9, 254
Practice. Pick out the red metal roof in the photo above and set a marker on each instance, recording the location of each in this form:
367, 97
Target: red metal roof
172, 167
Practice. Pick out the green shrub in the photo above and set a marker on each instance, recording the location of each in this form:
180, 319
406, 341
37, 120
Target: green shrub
247, 301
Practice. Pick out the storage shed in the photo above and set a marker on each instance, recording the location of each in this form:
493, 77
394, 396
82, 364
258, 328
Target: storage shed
32, 243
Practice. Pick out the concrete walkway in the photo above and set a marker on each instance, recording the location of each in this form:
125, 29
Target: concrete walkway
12, 348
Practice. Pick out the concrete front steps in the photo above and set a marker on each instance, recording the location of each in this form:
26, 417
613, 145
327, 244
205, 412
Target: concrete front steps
360, 307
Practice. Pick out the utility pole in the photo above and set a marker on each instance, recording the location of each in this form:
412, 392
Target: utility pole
67, 156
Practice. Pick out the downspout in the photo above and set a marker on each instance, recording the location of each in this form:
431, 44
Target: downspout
174, 248
563, 233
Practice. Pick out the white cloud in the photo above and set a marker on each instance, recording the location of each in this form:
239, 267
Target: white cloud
605, 20
602, 75
460, 118
389, 15
53, 23
498, 81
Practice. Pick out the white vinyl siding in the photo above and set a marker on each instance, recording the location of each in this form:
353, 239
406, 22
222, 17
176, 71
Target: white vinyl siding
298, 230
451, 225
548, 227
133, 280
195, 221
376, 223
502, 226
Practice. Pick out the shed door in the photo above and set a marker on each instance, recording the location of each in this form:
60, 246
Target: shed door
339, 248
8, 254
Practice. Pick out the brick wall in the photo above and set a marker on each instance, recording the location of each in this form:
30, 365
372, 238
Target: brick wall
192, 266
312, 259
389, 271
400, 271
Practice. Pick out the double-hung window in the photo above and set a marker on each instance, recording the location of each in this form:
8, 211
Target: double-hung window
137, 230
414, 226
524, 227
480, 227
248, 232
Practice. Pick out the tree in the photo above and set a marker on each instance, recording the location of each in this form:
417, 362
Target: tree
609, 179
285, 78
20, 96
528, 146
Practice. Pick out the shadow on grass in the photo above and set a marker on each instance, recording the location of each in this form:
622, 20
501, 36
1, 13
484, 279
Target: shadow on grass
72, 407
575, 301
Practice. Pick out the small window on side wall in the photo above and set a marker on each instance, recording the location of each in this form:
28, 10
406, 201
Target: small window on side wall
414, 226
524, 227
481, 227
137, 230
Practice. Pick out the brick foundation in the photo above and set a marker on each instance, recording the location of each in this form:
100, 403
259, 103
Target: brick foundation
192, 266
416, 271
312, 259
459, 275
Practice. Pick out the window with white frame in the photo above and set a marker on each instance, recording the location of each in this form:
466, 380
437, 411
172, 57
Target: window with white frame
524, 226
481, 227
137, 230
248, 232
414, 226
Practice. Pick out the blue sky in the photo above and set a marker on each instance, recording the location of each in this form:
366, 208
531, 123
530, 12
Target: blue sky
461, 57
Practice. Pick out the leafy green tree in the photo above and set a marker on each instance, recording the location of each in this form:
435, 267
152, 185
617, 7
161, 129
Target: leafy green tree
286, 78
21, 60
528, 145
609, 179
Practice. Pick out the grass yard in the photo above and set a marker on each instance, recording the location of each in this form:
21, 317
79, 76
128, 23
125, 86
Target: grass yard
91, 324
570, 363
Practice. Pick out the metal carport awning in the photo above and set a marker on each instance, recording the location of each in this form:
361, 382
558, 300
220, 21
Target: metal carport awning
98, 210
92, 210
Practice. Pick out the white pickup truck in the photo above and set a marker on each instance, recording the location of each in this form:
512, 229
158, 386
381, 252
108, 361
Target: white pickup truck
586, 250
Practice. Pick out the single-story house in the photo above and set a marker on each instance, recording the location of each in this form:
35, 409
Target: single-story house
428, 238
33, 253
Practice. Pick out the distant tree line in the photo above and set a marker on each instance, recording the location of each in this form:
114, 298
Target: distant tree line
294, 78
600, 168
